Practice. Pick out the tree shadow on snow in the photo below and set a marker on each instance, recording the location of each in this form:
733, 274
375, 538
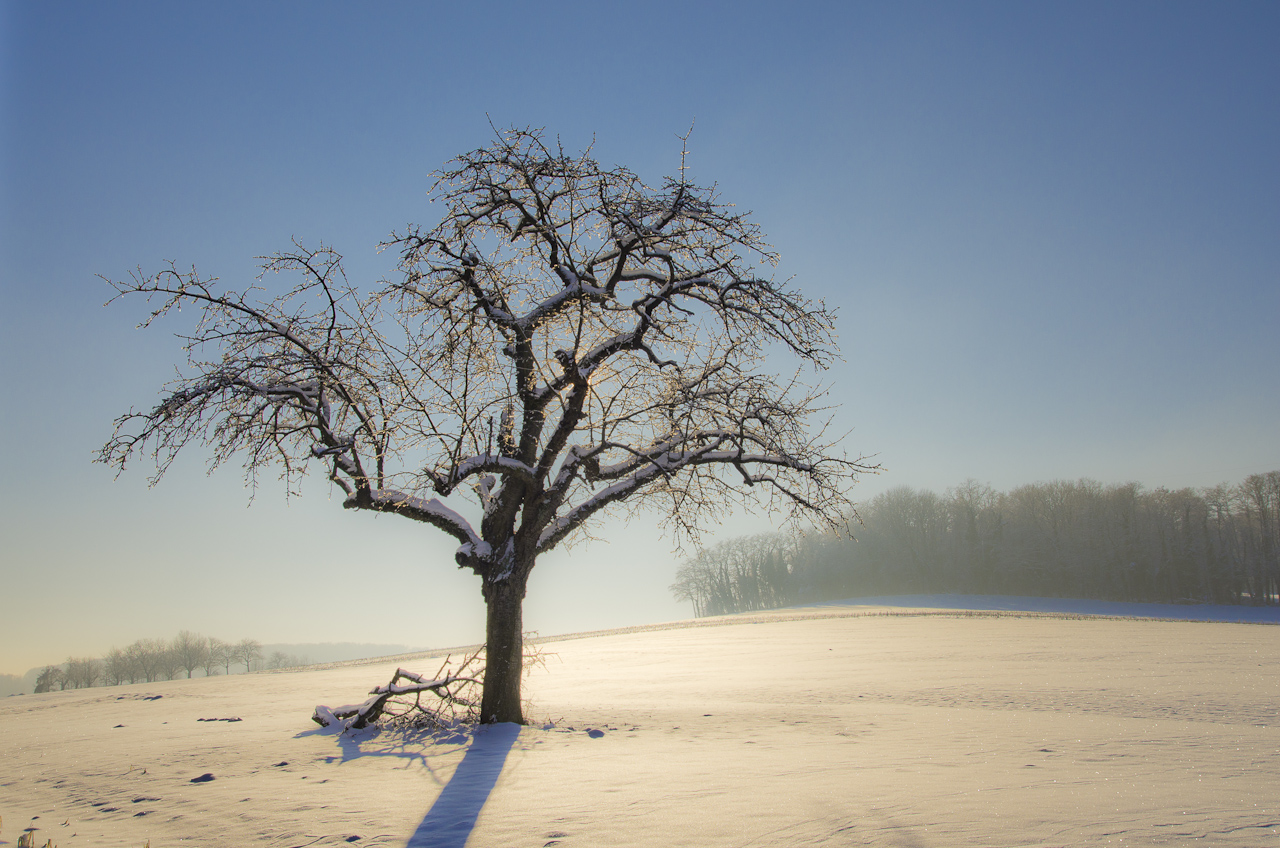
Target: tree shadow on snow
449, 822
451, 818
409, 743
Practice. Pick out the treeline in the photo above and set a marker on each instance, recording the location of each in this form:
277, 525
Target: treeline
149, 660
1078, 539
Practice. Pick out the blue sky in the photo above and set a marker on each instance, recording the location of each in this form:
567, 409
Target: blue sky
1052, 230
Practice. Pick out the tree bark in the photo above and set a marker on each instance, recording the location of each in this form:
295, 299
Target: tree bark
504, 651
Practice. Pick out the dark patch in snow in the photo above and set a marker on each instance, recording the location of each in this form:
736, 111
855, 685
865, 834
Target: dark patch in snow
281, 763
142, 798
353, 838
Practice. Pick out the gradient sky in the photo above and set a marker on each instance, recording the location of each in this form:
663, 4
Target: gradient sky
1052, 230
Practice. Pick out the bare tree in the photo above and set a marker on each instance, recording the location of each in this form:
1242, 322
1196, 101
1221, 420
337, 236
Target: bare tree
118, 667
567, 341
247, 651
152, 659
279, 660
215, 655
168, 664
738, 575
189, 650
83, 672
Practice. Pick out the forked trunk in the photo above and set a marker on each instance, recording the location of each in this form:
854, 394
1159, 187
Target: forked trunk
504, 652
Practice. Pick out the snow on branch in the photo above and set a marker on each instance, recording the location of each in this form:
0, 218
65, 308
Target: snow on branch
434, 512
451, 688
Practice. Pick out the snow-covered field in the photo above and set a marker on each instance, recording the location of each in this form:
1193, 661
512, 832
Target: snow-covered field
828, 725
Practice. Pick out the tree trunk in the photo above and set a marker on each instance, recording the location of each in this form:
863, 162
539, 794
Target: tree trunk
504, 652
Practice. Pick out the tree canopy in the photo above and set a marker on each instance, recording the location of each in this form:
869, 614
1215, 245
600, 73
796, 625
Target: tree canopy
566, 340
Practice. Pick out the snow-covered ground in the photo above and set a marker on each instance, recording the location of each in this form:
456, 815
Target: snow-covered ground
837, 725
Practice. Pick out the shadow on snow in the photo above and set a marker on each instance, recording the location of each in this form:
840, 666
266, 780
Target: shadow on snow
451, 818
449, 822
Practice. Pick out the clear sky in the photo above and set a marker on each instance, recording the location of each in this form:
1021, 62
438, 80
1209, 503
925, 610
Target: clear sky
1052, 230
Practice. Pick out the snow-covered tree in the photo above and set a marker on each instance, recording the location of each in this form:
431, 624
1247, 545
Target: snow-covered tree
566, 341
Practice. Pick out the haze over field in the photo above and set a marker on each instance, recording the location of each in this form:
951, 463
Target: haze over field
1051, 232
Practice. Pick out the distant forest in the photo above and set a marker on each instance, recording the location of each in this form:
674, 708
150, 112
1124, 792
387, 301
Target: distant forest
1078, 539
185, 655
147, 660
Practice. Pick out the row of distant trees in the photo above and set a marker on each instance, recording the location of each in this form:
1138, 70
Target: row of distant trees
1077, 539
149, 660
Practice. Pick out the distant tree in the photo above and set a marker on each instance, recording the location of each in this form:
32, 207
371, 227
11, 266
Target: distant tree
83, 672
1259, 499
117, 667
567, 341
247, 651
215, 656
190, 650
137, 662
152, 659
49, 678
738, 575
279, 659
1076, 538
168, 664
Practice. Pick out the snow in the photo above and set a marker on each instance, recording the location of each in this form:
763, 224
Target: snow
479, 549
489, 462
863, 723
355, 716
445, 517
